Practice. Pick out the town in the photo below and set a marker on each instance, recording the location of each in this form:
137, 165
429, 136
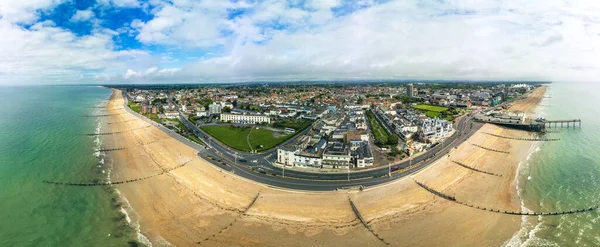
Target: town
320, 127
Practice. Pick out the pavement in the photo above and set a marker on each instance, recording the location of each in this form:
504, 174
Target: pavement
263, 171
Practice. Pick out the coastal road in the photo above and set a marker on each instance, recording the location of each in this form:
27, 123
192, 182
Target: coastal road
266, 173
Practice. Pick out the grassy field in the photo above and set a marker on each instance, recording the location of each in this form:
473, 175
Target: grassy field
237, 137
376, 127
153, 117
431, 108
265, 138
433, 111
229, 135
134, 106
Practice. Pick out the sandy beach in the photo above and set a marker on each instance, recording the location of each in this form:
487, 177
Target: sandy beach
201, 205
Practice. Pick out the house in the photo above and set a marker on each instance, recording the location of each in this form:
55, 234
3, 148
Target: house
336, 155
171, 114
363, 156
214, 108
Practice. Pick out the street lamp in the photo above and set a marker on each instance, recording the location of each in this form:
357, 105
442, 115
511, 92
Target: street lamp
348, 172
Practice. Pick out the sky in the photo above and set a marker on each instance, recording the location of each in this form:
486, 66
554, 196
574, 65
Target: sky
195, 41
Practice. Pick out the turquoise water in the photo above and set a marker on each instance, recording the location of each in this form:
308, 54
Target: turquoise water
564, 175
39, 140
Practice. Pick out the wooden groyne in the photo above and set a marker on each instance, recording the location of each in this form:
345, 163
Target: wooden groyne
490, 149
103, 115
123, 148
360, 218
234, 221
116, 132
435, 192
453, 199
523, 139
117, 182
475, 169
125, 121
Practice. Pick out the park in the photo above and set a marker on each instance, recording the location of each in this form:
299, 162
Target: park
432, 111
246, 138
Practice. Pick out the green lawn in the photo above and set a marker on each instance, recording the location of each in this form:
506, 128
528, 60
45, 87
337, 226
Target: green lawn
265, 138
432, 114
153, 117
134, 106
432, 108
433, 111
229, 135
376, 127
236, 137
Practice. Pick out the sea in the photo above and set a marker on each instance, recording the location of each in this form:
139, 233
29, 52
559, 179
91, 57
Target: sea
563, 175
41, 140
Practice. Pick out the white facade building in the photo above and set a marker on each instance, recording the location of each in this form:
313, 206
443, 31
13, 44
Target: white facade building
172, 114
245, 119
435, 128
214, 108
285, 156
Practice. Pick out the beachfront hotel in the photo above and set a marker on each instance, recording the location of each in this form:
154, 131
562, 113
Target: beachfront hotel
245, 119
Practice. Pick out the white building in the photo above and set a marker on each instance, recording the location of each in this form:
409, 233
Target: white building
214, 108
201, 113
307, 160
435, 128
245, 119
172, 114
285, 156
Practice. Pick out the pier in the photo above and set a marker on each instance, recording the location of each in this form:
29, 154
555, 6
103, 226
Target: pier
517, 121
571, 123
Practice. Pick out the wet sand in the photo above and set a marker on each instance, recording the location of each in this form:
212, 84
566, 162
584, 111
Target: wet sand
201, 205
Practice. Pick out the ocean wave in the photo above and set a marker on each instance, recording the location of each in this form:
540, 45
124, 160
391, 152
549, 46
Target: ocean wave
128, 210
526, 234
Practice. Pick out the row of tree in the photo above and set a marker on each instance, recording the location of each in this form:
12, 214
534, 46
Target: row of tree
392, 139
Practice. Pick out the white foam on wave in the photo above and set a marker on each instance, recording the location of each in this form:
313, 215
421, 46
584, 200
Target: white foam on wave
526, 234
128, 210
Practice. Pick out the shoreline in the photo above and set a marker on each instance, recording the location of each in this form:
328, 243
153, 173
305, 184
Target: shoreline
195, 202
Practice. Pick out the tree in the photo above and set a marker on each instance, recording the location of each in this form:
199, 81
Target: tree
393, 139
226, 109
235, 103
381, 140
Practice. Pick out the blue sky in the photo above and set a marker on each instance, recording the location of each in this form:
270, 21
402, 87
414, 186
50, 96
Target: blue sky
159, 41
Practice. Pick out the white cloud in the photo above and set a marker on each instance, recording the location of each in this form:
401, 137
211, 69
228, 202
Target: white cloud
150, 73
82, 15
121, 3
276, 40
24, 11
400, 39
45, 53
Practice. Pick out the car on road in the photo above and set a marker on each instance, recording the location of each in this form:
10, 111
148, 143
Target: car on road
394, 168
242, 160
255, 161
